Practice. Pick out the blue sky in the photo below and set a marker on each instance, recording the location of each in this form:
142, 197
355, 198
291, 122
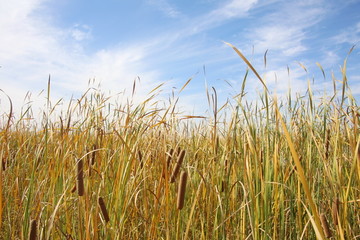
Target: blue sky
169, 41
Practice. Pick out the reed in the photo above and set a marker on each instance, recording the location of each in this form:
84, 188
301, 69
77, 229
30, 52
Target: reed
167, 163
325, 226
177, 166
255, 168
103, 209
181, 190
33, 230
80, 177
335, 211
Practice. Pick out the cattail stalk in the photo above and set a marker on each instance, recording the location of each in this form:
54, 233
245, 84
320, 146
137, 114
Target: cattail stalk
327, 144
168, 161
335, 211
325, 226
181, 190
103, 209
80, 177
33, 230
177, 166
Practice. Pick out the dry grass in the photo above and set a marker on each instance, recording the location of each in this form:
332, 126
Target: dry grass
253, 170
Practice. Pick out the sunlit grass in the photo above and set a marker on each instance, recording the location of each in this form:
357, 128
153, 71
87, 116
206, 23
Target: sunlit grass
270, 169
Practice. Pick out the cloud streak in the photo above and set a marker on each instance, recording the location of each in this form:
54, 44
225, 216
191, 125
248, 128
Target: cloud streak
166, 8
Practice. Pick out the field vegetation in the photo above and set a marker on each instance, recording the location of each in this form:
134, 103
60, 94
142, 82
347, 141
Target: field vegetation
286, 168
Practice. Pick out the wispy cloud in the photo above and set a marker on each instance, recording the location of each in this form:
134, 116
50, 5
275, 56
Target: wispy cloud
166, 8
233, 8
286, 29
228, 10
81, 32
350, 35
287, 40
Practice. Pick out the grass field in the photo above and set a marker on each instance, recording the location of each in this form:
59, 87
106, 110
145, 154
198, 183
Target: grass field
270, 169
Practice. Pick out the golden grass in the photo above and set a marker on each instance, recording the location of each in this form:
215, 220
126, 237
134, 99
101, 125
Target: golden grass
262, 169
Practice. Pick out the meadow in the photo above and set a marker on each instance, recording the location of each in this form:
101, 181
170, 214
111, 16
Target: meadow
286, 168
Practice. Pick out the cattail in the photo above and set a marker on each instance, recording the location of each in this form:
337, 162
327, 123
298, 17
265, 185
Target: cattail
80, 177
68, 124
177, 166
73, 189
325, 226
33, 230
335, 211
181, 190
223, 186
140, 159
178, 151
168, 160
103, 209
3, 164
327, 144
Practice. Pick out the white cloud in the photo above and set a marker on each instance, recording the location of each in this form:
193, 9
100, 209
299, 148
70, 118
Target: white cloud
280, 80
31, 49
285, 30
288, 40
233, 8
226, 11
329, 59
351, 35
81, 32
166, 8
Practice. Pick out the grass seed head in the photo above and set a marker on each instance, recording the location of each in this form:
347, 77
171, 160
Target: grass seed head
325, 226
80, 177
103, 209
33, 230
335, 210
181, 190
177, 166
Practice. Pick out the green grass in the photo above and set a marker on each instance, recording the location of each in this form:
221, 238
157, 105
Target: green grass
266, 169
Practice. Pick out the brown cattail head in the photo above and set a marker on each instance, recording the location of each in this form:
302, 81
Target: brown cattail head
181, 190
325, 226
327, 144
3, 164
223, 185
103, 209
80, 177
335, 210
33, 230
140, 159
178, 151
177, 166
73, 189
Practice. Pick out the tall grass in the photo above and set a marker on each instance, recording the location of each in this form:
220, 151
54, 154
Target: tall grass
268, 169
